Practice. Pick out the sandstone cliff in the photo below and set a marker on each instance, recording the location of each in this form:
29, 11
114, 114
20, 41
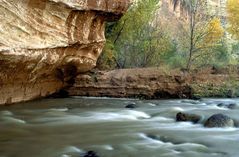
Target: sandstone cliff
44, 44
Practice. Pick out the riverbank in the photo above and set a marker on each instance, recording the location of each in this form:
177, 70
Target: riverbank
156, 83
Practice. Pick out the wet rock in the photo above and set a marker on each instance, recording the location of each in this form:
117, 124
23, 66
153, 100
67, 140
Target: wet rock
168, 139
236, 123
154, 137
165, 139
230, 93
131, 106
221, 105
191, 101
219, 120
61, 94
232, 106
186, 117
91, 154
195, 97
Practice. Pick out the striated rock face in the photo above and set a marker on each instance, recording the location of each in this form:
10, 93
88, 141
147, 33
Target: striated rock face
156, 83
44, 44
136, 83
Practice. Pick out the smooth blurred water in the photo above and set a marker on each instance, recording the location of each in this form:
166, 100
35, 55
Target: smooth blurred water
69, 127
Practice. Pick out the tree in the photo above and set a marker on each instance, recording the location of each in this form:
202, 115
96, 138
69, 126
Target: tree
233, 17
134, 37
185, 4
203, 31
137, 40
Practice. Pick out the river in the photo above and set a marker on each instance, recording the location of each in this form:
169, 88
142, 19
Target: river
69, 127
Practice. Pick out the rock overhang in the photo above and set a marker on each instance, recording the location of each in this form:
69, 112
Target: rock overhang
45, 43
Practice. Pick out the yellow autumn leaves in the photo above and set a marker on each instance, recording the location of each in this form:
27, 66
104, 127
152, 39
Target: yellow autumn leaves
233, 17
215, 31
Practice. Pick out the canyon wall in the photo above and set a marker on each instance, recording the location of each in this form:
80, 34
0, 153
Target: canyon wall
44, 44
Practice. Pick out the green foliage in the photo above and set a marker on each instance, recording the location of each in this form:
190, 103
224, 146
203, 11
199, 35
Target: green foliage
233, 17
107, 59
138, 40
172, 58
229, 88
217, 56
234, 56
135, 39
201, 34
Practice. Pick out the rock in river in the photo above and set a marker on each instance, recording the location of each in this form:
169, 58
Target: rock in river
91, 154
131, 106
219, 120
229, 106
188, 117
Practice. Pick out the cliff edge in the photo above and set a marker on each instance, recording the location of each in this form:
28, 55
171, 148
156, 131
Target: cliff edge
44, 44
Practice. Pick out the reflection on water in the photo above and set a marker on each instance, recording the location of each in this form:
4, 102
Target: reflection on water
70, 127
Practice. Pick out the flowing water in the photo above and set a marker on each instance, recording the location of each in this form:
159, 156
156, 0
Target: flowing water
69, 127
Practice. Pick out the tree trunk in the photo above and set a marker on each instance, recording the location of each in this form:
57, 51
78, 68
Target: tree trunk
190, 49
192, 29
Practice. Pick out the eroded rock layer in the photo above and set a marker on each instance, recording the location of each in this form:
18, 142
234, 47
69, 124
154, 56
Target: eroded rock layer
156, 83
137, 83
45, 43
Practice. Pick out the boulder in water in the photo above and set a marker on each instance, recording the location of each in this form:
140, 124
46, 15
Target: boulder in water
221, 105
186, 117
131, 106
219, 120
91, 154
236, 123
230, 106
196, 97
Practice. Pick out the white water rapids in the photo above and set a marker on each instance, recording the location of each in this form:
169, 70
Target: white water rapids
69, 127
